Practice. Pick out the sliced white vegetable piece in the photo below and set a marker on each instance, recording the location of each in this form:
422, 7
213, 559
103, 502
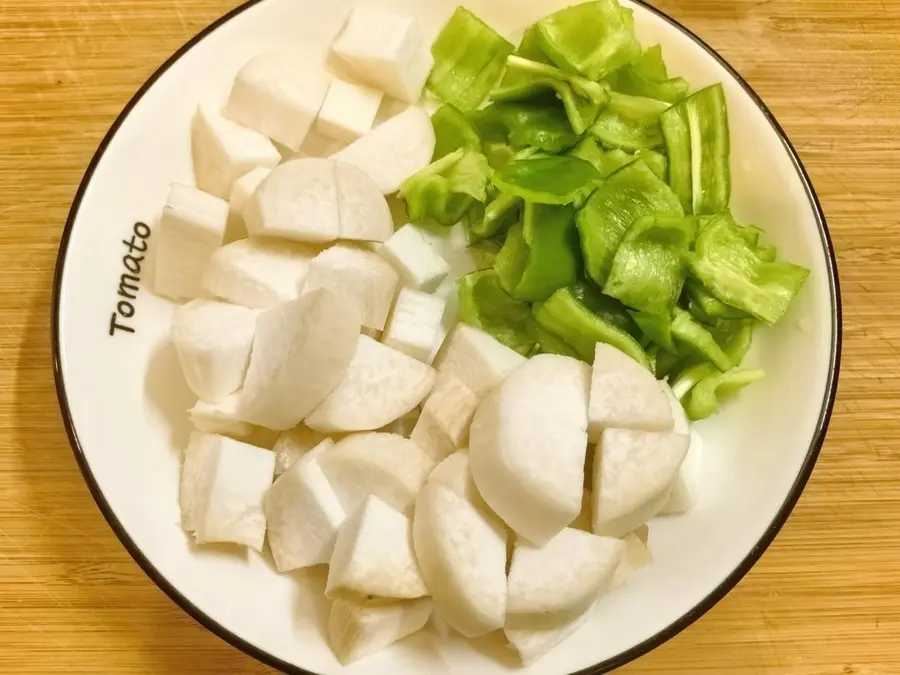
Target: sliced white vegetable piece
633, 476
533, 644
258, 272
462, 554
213, 340
528, 443
224, 151
364, 212
356, 274
304, 515
191, 229
404, 426
686, 490
682, 423
379, 386
635, 556
387, 49
410, 252
293, 445
349, 111
477, 360
358, 631
222, 487
279, 95
625, 395
394, 150
374, 558
454, 474
387, 466
220, 418
557, 583
245, 187
415, 325
443, 427
301, 353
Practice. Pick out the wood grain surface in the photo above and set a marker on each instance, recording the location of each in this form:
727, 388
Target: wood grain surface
824, 600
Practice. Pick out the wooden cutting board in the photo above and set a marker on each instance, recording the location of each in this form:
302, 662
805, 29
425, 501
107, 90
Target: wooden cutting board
824, 600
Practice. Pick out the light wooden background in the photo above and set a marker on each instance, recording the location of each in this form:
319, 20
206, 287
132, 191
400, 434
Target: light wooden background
825, 600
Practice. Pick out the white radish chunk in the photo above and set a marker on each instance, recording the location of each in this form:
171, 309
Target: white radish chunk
258, 272
404, 426
443, 426
528, 443
686, 490
554, 585
387, 466
222, 487
410, 252
359, 631
213, 340
415, 325
477, 360
279, 95
191, 229
633, 476
364, 212
636, 555
304, 515
245, 187
293, 445
394, 150
220, 418
625, 395
373, 557
349, 111
454, 474
301, 353
379, 386
533, 644
223, 151
462, 555
387, 49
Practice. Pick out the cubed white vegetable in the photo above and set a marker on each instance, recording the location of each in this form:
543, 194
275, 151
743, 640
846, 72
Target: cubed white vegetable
224, 151
476, 359
533, 644
349, 111
364, 212
388, 49
528, 444
394, 150
636, 555
379, 386
213, 340
301, 353
357, 631
222, 488
245, 187
404, 426
410, 252
443, 426
415, 325
373, 557
454, 473
687, 487
258, 272
191, 229
220, 418
279, 95
293, 445
358, 275
304, 516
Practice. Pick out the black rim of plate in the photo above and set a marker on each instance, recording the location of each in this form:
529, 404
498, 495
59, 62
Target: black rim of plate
610, 664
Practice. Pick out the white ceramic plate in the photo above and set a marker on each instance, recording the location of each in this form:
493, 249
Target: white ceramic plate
124, 400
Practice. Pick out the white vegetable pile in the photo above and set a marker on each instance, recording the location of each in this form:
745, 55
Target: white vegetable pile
431, 473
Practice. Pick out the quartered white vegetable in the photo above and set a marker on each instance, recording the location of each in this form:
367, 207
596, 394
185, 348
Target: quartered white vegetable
635, 556
220, 418
476, 359
462, 554
533, 644
358, 275
357, 631
625, 395
443, 426
304, 515
387, 466
223, 482
373, 557
191, 230
686, 490
293, 445
258, 272
404, 426
301, 353
415, 325
557, 583
279, 95
213, 340
394, 150
633, 476
379, 386
528, 443
349, 111
387, 49
420, 265
454, 474
364, 212
245, 187
224, 150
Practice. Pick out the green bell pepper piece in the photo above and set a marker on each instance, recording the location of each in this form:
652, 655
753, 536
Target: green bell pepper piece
609, 161
630, 123
609, 309
656, 161
548, 180
552, 344
542, 125
648, 76
469, 58
493, 218
446, 189
484, 304
706, 397
453, 131
657, 328
628, 194
699, 339
735, 338
687, 379
706, 308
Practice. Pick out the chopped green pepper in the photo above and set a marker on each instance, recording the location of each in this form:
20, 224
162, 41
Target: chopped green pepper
446, 189
541, 125
647, 76
706, 308
609, 309
699, 339
688, 378
705, 398
453, 131
658, 328
735, 338
609, 161
484, 304
494, 217
548, 180
630, 123
551, 344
